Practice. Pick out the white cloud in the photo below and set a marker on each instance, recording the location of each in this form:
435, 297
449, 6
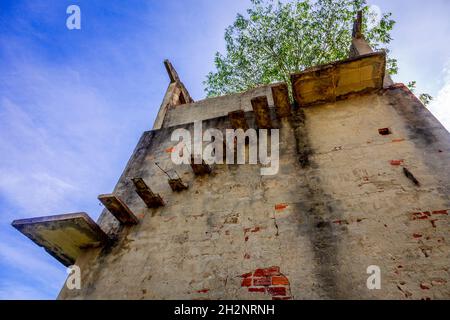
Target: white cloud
440, 106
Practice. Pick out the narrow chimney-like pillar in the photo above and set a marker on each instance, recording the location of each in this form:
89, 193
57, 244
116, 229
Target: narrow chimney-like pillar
361, 47
176, 94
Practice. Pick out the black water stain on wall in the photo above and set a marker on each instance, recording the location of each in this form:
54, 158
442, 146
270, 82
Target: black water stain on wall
317, 209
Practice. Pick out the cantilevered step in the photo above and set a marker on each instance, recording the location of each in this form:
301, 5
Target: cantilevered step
177, 185
118, 209
280, 96
175, 182
237, 120
63, 236
151, 199
199, 166
262, 112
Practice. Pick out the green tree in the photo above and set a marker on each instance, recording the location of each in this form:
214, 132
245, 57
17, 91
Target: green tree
275, 39
425, 98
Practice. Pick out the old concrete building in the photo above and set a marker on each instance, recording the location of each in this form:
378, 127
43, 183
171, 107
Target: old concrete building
363, 180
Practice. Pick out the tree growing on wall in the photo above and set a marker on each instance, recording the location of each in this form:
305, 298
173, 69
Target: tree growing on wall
275, 39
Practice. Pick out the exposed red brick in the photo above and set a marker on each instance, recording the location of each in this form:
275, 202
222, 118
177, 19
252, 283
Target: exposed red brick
272, 271
384, 131
444, 212
421, 215
280, 280
257, 289
203, 291
170, 219
268, 280
265, 281
417, 235
281, 298
259, 273
424, 286
170, 150
433, 222
340, 222
280, 206
254, 229
438, 282
247, 282
277, 291
396, 162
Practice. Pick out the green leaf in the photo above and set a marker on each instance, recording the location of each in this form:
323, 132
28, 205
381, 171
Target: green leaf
274, 39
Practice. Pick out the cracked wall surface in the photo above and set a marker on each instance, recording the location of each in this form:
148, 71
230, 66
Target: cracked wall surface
339, 203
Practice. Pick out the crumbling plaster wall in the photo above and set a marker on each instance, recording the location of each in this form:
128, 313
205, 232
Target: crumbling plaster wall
337, 205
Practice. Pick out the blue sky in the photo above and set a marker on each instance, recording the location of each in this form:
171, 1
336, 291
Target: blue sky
73, 103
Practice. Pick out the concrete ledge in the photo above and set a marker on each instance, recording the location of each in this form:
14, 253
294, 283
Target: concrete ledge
63, 236
262, 113
335, 81
118, 209
280, 95
150, 199
177, 185
199, 166
237, 120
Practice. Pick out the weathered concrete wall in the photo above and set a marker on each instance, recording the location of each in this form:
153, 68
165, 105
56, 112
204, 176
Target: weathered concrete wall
339, 204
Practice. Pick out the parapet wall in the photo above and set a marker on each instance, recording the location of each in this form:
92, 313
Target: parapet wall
215, 107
